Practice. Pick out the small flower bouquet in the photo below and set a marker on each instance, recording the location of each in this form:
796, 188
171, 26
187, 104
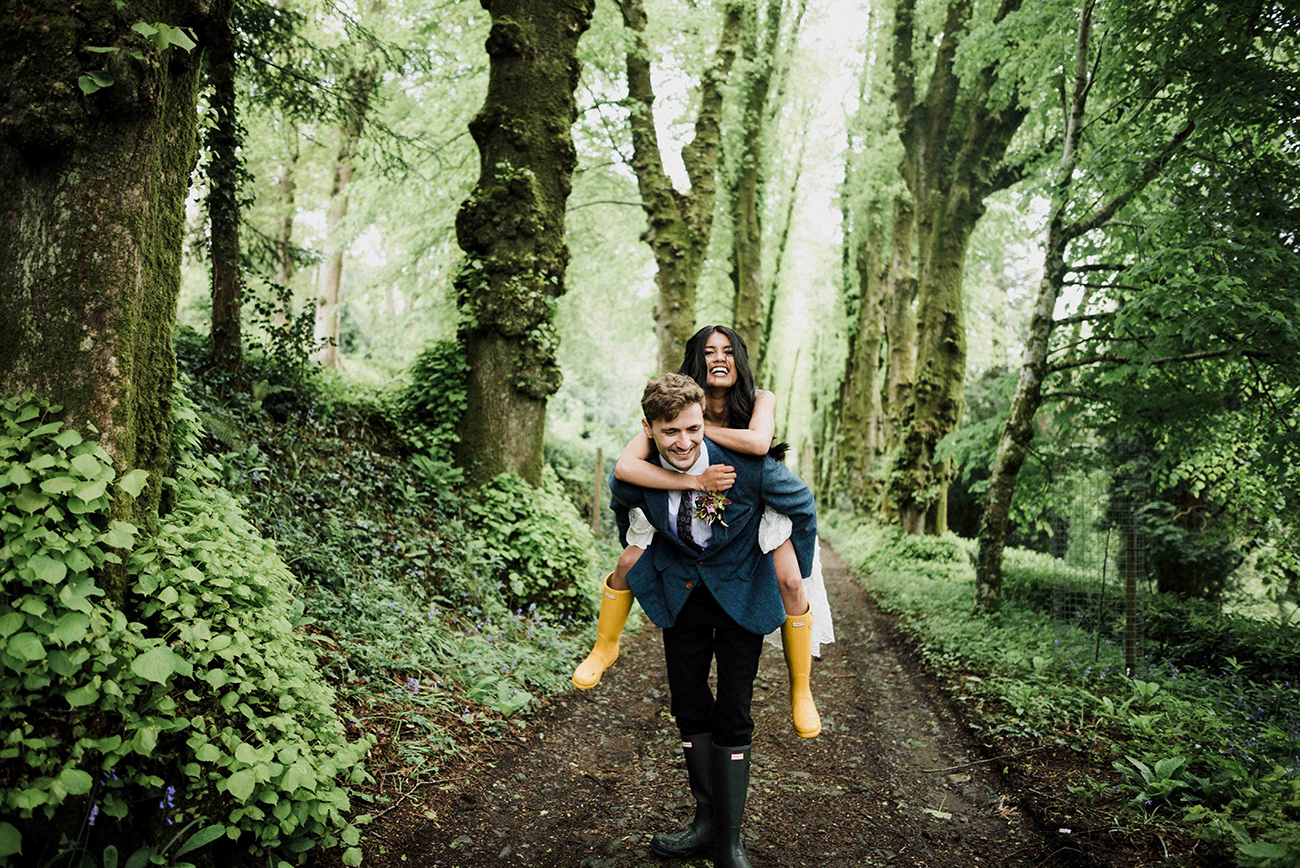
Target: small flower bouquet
709, 506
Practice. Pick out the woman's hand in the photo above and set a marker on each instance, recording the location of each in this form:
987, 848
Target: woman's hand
719, 477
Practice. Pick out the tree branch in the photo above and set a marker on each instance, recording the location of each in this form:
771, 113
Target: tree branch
1153, 168
640, 205
1090, 285
1010, 174
1062, 395
1100, 266
1086, 317
1126, 360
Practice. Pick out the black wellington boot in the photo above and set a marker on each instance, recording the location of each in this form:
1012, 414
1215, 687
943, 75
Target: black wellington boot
696, 838
730, 787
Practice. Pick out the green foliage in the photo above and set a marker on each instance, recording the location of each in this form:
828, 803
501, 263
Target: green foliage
1156, 782
574, 463
429, 409
285, 348
1201, 739
161, 36
199, 698
1197, 633
413, 627
536, 540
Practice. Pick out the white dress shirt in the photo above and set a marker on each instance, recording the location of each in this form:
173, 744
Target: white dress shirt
702, 532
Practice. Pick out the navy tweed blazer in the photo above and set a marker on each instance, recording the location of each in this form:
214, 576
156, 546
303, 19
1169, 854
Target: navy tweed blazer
733, 567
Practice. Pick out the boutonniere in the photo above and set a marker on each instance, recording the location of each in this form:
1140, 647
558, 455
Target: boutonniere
709, 506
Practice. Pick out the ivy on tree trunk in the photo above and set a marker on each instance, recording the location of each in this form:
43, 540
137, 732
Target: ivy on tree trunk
94, 180
225, 173
954, 141
511, 229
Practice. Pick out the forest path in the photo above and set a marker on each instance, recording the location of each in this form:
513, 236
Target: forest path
596, 773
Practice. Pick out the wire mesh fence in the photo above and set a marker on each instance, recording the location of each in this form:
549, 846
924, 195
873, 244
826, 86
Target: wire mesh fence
1099, 585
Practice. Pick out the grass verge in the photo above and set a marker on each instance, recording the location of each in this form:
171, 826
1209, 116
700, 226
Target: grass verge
1187, 762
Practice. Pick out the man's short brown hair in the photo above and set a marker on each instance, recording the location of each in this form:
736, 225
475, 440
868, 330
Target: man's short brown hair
667, 395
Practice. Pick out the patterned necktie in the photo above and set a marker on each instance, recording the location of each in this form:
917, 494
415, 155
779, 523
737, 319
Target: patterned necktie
684, 511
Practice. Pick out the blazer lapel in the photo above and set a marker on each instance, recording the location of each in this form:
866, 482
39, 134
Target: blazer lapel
656, 501
720, 532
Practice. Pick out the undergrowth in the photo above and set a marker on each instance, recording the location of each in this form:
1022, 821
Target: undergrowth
1198, 740
322, 619
191, 719
441, 616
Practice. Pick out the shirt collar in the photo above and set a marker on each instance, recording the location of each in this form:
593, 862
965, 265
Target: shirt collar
701, 463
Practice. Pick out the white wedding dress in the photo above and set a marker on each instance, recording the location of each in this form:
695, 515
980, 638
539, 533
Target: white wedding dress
773, 529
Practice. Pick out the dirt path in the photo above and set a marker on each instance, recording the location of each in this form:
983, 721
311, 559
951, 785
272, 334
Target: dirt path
887, 783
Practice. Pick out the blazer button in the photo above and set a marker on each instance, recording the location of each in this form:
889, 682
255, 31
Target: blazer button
690, 585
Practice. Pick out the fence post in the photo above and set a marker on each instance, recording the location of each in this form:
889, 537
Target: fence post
595, 495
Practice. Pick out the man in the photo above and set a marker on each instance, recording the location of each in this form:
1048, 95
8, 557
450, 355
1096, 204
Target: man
714, 593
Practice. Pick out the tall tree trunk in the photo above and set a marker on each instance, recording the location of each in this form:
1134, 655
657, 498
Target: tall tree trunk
1018, 431
949, 174
784, 60
1019, 428
225, 176
679, 225
746, 197
284, 257
93, 225
833, 430
360, 82
936, 394
860, 406
329, 294
772, 284
899, 292
512, 231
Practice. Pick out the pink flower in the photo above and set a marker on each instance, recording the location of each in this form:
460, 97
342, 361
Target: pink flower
709, 506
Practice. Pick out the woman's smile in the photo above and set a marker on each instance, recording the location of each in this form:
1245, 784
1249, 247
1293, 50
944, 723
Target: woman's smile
718, 356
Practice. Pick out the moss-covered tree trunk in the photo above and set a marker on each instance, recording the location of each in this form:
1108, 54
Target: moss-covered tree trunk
773, 281
954, 141
936, 394
512, 231
679, 224
898, 294
93, 220
860, 404
746, 194
225, 173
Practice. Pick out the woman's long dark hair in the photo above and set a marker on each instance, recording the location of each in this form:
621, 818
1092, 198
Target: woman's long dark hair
741, 396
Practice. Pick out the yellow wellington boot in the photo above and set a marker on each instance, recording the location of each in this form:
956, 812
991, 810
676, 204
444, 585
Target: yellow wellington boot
796, 639
614, 606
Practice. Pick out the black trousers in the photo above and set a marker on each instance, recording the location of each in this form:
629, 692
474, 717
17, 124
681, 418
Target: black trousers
704, 631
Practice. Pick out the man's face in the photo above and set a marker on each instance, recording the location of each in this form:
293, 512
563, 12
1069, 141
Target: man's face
678, 439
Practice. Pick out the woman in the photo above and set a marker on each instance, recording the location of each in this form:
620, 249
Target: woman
740, 418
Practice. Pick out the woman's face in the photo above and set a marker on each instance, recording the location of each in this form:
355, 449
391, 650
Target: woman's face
719, 362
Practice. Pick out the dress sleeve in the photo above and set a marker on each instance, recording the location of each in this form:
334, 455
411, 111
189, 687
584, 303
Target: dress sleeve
773, 529
640, 532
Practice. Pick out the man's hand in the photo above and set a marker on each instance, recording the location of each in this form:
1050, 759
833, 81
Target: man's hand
719, 477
